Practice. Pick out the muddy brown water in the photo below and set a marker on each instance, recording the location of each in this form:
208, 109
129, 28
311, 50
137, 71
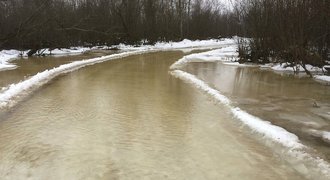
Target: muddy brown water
129, 119
300, 105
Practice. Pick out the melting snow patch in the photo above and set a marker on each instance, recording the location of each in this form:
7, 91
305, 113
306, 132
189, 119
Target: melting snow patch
324, 79
284, 67
64, 51
5, 57
228, 53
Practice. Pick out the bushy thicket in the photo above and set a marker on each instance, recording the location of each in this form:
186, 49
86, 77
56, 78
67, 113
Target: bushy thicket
291, 31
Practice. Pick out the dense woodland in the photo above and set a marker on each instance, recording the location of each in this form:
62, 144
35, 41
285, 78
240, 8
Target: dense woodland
27, 24
291, 31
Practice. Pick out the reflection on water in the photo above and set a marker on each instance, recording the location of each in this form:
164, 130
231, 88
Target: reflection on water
129, 119
32, 65
300, 105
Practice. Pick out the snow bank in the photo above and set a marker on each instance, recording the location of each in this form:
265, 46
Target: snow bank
187, 77
323, 79
265, 128
5, 57
7, 66
190, 44
299, 68
228, 52
301, 160
324, 135
64, 51
184, 45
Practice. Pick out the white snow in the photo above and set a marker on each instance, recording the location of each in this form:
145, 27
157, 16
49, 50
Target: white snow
15, 90
5, 57
8, 55
190, 44
228, 52
240, 65
323, 79
298, 68
7, 66
64, 51
187, 77
326, 135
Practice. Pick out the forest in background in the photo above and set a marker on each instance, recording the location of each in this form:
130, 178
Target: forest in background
295, 32
35, 24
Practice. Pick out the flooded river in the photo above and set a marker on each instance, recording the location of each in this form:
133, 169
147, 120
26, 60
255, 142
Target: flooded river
130, 119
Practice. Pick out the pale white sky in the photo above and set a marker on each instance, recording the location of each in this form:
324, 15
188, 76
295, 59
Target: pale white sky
227, 2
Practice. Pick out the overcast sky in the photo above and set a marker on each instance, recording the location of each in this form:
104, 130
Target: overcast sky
226, 2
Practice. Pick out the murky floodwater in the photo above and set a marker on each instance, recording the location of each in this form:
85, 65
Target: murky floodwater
129, 119
300, 105
27, 67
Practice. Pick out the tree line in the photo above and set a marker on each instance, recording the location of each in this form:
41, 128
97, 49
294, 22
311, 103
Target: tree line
35, 24
295, 32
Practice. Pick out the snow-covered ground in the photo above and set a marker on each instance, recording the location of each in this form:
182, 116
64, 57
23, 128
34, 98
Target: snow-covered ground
299, 68
323, 79
6, 56
64, 51
308, 163
227, 53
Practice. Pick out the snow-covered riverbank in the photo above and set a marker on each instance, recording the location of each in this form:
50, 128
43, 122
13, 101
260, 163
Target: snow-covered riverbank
6, 56
228, 55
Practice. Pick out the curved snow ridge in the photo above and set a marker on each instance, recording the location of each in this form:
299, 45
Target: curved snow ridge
266, 129
15, 90
228, 52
